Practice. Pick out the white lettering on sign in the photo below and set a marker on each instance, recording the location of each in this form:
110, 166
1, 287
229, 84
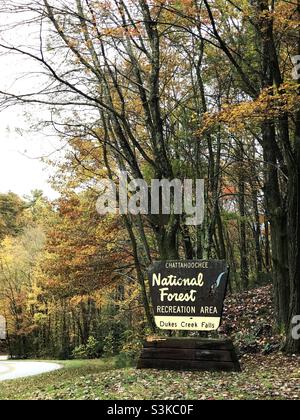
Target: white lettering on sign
172, 281
177, 297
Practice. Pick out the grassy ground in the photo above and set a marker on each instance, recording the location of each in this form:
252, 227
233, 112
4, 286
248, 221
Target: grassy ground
263, 377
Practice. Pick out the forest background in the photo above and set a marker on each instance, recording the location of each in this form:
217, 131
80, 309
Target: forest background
162, 89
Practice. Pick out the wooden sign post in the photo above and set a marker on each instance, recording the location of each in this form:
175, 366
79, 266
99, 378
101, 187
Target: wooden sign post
189, 296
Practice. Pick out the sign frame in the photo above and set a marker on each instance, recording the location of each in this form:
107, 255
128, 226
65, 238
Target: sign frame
188, 295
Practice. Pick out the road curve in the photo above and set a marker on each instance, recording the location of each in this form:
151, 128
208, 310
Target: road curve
14, 370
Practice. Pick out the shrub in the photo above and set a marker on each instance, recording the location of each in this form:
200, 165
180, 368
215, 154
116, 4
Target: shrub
90, 350
131, 350
110, 345
126, 359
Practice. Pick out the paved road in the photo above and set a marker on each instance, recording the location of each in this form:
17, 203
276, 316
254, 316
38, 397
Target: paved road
15, 370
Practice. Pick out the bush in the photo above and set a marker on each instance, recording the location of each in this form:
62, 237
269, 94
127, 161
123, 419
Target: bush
248, 342
93, 348
110, 345
90, 350
133, 343
126, 359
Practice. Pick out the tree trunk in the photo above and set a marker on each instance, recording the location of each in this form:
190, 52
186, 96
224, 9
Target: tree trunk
292, 345
276, 210
140, 275
267, 246
243, 237
167, 240
257, 235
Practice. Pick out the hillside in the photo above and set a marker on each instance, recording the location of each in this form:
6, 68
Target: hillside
250, 320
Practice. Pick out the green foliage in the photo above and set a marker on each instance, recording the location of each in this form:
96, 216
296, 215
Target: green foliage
11, 210
126, 360
80, 352
131, 350
90, 350
110, 345
248, 340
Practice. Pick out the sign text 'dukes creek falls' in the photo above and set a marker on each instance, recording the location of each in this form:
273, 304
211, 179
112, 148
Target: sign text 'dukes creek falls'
188, 295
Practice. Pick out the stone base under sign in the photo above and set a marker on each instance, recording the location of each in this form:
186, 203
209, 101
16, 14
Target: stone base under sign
189, 354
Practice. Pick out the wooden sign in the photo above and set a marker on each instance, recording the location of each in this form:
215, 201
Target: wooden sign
188, 295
